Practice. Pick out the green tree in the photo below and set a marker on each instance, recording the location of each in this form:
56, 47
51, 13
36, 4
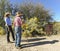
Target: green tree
30, 10
4, 6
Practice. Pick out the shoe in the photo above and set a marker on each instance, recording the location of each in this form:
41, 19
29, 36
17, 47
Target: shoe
18, 47
13, 39
8, 41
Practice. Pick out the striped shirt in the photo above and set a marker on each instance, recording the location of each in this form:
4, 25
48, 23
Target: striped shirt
17, 21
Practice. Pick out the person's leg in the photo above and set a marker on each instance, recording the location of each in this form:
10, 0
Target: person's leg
16, 29
15, 40
10, 28
18, 36
8, 34
18, 39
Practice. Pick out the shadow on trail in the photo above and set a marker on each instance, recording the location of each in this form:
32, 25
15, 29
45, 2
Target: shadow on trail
39, 43
33, 39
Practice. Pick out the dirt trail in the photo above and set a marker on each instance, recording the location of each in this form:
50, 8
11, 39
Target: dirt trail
51, 43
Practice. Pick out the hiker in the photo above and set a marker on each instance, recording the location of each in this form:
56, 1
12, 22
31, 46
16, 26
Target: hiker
8, 24
17, 24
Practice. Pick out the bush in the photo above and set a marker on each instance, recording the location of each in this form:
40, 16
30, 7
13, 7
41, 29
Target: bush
26, 33
2, 31
32, 27
56, 28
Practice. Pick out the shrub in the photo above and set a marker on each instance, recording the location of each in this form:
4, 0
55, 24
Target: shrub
32, 27
26, 33
2, 31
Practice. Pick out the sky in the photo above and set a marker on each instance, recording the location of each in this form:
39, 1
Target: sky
53, 5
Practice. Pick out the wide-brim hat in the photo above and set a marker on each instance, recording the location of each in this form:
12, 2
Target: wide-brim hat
19, 13
7, 13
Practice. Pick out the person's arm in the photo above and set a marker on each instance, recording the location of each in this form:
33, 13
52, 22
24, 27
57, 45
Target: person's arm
6, 21
20, 21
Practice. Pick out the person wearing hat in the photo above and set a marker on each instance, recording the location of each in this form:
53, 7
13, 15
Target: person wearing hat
8, 24
18, 24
